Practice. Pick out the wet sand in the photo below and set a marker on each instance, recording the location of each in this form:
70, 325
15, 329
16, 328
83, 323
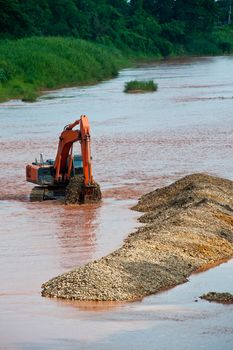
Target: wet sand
138, 143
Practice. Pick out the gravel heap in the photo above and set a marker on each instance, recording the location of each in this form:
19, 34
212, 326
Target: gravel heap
187, 225
223, 298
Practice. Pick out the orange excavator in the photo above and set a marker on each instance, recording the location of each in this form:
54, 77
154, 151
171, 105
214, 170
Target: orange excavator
69, 176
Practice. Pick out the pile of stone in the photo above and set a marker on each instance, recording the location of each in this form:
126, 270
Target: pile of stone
223, 298
188, 225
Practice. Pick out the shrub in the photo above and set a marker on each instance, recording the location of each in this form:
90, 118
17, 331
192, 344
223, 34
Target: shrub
29, 96
204, 45
140, 86
6, 71
225, 46
224, 38
164, 46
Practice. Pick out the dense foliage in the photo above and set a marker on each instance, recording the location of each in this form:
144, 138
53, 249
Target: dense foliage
49, 43
142, 25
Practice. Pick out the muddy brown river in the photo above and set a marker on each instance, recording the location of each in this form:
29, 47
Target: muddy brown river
139, 142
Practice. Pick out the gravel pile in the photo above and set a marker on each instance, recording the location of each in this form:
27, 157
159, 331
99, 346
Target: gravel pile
187, 225
223, 298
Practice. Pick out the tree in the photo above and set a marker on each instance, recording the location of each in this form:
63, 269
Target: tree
198, 15
39, 14
13, 21
224, 9
136, 5
65, 16
161, 10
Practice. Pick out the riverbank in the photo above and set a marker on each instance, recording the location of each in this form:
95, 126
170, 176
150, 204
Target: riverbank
30, 65
188, 225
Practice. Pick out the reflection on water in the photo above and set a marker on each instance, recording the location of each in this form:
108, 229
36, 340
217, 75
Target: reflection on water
139, 142
77, 227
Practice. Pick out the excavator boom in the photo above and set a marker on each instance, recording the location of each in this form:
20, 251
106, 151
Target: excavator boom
86, 150
64, 156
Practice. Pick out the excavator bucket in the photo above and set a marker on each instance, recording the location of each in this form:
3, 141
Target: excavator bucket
91, 194
77, 192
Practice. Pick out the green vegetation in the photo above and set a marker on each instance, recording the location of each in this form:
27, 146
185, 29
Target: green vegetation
27, 65
52, 43
140, 86
146, 26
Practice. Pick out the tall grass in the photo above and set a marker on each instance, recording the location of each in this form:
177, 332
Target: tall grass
140, 86
29, 65
33, 64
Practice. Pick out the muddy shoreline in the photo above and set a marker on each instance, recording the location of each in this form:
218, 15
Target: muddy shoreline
188, 225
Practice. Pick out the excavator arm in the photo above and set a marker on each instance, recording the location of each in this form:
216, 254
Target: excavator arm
64, 157
86, 150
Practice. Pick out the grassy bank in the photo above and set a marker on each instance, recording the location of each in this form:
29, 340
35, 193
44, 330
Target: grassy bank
30, 65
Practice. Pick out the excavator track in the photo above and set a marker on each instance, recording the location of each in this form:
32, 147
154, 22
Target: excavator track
39, 194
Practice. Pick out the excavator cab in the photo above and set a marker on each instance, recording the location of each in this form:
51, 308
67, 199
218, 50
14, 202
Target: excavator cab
78, 164
42, 172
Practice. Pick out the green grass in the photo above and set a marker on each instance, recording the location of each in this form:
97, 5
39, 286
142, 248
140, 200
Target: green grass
30, 65
140, 86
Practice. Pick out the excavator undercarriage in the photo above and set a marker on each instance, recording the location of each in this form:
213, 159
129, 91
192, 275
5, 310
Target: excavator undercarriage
74, 193
40, 193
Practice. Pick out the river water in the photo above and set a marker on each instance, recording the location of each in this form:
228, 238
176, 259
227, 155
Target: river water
139, 142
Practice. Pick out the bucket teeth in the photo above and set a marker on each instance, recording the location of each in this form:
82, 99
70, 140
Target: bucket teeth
92, 194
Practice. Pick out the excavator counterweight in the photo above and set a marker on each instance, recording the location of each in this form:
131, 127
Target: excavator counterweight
68, 176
